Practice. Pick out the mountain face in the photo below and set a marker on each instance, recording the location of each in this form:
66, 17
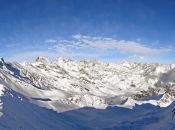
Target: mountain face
55, 89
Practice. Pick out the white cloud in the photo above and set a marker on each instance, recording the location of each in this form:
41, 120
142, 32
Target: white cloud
51, 40
73, 50
78, 36
95, 47
138, 40
128, 47
91, 47
136, 48
133, 56
137, 58
142, 58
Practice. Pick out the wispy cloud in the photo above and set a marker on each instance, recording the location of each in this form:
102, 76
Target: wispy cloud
51, 40
137, 58
12, 45
138, 40
79, 46
106, 44
142, 58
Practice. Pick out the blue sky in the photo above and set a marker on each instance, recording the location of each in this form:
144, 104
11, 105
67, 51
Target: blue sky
106, 30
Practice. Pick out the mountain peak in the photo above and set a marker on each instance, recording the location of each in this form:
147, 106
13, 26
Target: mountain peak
42, 60
65, 84
2, 63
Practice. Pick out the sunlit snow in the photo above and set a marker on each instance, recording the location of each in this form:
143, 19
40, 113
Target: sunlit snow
64, 87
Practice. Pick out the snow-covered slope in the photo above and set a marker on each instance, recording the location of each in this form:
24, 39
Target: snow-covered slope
1, 94
66, 85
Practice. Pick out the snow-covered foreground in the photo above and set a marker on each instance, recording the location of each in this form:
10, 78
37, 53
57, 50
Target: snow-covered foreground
1, 93
87, 94
19, 114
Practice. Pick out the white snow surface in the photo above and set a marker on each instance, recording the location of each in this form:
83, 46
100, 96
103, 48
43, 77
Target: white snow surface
1, 94
65, 86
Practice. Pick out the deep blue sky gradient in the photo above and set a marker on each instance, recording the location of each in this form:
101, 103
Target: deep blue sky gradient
25, 25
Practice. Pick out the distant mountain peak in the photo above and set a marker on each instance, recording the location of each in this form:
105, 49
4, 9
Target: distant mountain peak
42, 60
71, 81
2, 62
65, 84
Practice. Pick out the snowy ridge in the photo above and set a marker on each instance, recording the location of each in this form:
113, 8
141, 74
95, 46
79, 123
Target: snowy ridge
65, 86
75, 84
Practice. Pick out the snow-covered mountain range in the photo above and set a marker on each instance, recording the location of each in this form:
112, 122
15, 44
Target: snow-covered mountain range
45, 90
